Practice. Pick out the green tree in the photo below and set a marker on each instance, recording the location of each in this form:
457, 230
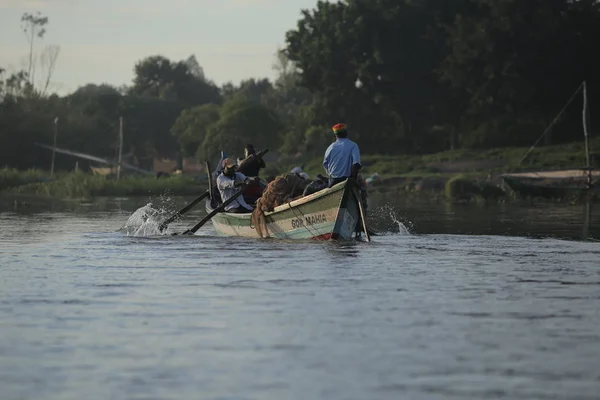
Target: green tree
370, 64
317, 139
2, 84
241, 121
291, 102
157, 76
251, 89
147, 123
517, 63
194, 67
191, 127
94, 112
23, 123
15, 85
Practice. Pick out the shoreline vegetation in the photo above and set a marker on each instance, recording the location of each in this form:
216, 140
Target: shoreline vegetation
436, 104
456, 175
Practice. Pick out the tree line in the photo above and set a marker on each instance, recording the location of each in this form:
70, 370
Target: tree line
407, 76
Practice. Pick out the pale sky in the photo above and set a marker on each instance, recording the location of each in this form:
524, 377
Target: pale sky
100, 40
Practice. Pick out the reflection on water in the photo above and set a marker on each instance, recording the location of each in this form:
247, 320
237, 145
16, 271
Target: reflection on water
391, 214
343, 250
587, 220
517, 218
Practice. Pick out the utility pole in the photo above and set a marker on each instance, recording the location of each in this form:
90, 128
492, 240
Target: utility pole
586, 134
54, 146
120, 147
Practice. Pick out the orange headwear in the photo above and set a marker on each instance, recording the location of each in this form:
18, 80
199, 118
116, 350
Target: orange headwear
339, 128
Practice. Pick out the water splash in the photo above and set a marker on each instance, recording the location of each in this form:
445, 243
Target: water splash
386, 220
145, 221
165, 202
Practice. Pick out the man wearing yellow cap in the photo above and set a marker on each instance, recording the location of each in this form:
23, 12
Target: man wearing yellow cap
342, 158
228, 183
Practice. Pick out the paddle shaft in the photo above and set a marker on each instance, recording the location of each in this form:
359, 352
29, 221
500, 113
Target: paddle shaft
362, 214
210, 180
213, 213
256, 156
185, 209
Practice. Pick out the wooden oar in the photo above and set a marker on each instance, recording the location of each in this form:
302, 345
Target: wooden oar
362, 213
245, 161
213, 213
163, 225
210, 180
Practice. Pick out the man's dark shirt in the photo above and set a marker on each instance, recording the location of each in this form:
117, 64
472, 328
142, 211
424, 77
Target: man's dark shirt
251, 167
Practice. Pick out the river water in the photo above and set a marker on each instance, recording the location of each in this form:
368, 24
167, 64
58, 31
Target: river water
449, 302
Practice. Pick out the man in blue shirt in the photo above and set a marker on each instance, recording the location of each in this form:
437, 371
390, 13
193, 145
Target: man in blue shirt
342, 158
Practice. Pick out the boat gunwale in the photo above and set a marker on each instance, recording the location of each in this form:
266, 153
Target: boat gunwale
309, 198
572, 173
292, 204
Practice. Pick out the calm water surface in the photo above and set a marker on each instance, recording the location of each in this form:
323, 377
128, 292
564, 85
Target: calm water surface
471, 302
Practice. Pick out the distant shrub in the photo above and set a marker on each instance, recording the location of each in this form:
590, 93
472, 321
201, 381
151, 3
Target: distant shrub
491, 192
463, 188
11, 177
79, 184
431, 169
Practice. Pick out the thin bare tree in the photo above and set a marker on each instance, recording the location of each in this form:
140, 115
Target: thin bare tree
286, 70
282, 64
33, 25
48, 59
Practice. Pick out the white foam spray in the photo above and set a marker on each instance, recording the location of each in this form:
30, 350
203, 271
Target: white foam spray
145, 221
388, 222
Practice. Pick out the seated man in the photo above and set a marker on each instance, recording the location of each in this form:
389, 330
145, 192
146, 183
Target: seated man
298, 171
251, 166
229, 182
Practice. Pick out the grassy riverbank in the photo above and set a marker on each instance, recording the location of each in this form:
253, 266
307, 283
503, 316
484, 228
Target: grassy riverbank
456, 174
472, 162
465, 174
80, 184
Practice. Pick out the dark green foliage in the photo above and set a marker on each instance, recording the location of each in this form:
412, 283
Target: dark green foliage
241, 121
148, 121
436, 73
11, 177
79, 184
23, 122
159, 77
409, 77
191, 127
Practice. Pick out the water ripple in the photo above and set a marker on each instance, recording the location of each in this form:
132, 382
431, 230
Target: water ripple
87, 312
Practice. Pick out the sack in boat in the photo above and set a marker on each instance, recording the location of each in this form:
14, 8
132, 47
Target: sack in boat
283, 189
314, 187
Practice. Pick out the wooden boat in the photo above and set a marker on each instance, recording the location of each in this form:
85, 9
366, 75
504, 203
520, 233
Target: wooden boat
331, 213
563, 182
553, 183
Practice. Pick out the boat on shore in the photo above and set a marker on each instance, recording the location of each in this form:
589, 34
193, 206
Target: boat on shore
553, 184
329, 214
559, 183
